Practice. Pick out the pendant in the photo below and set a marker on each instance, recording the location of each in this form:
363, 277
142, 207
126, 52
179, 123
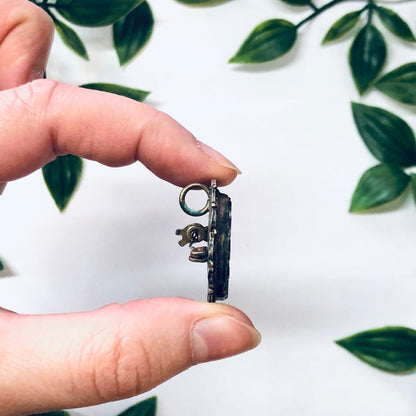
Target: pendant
217, 235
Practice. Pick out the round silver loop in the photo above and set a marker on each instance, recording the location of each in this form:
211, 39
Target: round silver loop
184, 206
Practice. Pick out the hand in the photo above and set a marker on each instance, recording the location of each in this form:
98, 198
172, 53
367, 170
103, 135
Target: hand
81, 359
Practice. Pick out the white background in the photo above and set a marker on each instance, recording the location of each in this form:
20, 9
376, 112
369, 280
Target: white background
303, 269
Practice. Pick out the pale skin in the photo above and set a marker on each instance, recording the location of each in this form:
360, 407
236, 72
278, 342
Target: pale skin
51, 362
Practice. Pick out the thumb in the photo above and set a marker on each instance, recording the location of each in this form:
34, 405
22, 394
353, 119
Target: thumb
74, 360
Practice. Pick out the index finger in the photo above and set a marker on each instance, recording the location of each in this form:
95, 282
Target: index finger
44, 118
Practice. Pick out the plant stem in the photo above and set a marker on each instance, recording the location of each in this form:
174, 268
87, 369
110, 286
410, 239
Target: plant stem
320, 10
371, 7
312, 5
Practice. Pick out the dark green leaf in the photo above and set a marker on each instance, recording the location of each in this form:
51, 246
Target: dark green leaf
386, 136
1, 266
400, 83
342, 26
59, 413
135, 94
268, 41
367, 56
298, 2
391, 349
70, 38
95, 12
132, 32
62, 177
393, 22
379, 185
145, 408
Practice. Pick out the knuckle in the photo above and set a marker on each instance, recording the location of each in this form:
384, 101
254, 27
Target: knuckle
31, 100
38, 92
31, 16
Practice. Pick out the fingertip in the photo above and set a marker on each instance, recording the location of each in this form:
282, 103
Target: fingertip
219, 158
216, 166
216, 330
221, 337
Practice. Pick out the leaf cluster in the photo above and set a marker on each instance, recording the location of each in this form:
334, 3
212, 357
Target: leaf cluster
146, 407
392, 142
273, 38
132, 22
386, 136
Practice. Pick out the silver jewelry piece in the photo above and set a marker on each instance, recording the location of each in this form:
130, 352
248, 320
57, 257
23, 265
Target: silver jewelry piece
217, 234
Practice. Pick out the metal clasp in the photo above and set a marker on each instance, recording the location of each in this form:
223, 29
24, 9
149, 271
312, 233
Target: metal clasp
217, 235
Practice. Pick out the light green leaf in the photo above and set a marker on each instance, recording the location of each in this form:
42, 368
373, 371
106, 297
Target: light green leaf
367, 56
132, 32
391, 349
393, 22
62, 177
95, 12
342, 26
386, 136
145, 408
379, 185
70, 38
400, 84
133, 93
269, 40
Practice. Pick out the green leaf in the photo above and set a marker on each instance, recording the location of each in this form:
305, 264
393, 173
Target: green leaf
342, 26
379, 185
392, 349
269, 40
393, 22
367, 56
145, 408
58, 413
298, 2
135, 94
70, 38
95, 12
62, 177
400, 84
386, 136
1, 266
132, 32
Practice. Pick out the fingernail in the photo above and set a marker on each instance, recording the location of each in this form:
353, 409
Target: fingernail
2, 187
218, 157
221, 337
